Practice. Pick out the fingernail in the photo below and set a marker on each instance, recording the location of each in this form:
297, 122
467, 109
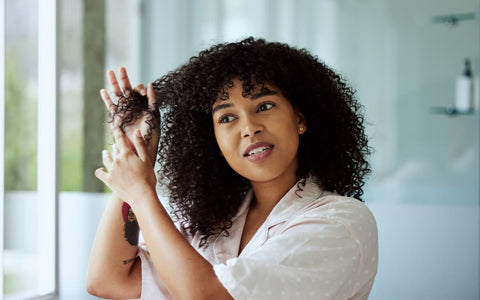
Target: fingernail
143, 92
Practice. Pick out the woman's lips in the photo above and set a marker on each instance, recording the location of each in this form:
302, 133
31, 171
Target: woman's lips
258, 151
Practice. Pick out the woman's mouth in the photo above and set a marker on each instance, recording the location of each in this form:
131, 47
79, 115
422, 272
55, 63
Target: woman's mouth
258, 151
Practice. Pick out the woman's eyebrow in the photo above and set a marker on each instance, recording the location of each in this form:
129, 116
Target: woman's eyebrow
264, 92
221, 106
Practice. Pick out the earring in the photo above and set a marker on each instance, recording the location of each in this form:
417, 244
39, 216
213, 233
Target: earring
301, 129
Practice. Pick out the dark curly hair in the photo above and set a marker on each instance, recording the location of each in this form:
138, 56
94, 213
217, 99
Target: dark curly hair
204, 192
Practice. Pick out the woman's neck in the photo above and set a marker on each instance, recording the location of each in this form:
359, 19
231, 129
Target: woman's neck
268, 194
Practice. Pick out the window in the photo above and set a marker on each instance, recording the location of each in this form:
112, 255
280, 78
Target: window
29, 103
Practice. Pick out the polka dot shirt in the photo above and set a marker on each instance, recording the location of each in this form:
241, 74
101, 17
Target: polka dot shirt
313, 245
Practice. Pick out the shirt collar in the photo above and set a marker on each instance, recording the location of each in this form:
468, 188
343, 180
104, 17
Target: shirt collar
301, 194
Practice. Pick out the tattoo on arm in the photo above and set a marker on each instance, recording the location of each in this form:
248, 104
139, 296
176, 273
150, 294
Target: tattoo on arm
130, 260
131, 228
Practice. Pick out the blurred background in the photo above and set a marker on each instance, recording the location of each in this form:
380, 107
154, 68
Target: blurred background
406, 59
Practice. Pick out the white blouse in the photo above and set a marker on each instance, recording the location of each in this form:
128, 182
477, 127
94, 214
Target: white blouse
313, 245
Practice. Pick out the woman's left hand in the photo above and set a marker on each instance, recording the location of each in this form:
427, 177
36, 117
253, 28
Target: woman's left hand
129, 175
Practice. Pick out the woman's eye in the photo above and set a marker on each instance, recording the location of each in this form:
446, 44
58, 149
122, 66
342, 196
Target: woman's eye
226, 119
265, 106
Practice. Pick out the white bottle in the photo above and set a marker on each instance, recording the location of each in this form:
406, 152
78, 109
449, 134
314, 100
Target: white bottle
463, 93
476, 93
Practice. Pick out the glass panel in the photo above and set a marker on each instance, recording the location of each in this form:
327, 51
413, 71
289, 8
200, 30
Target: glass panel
20, 218
123, 35
426, 190
122, 49
79, 211
71, 101
29, 209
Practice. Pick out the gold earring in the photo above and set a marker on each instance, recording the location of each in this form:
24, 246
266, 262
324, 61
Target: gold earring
300, 130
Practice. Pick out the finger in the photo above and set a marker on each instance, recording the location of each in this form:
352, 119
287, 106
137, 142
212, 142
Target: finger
107, 159
112, 108
102, 175
140, 146
124, 81
115, 151
114, 83
152, 99
141, 89
120, 140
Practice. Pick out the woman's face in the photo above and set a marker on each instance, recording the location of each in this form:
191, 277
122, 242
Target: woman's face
258, 135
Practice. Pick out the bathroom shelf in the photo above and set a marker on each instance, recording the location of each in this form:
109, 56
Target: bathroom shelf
450, 110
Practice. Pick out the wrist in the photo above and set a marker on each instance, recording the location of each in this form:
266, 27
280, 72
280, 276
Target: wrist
146, 199
115, 198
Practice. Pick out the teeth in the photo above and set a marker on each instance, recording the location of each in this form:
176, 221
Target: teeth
258, 150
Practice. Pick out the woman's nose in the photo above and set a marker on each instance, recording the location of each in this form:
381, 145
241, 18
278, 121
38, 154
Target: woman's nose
251, 126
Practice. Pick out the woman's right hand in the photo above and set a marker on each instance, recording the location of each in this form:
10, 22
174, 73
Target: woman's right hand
122, 92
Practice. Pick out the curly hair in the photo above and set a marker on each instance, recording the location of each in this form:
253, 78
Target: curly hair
204, 192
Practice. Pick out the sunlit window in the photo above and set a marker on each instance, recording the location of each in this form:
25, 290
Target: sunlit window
20, 236
29, 247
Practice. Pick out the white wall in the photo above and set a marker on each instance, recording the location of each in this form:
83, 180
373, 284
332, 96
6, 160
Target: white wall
427, 251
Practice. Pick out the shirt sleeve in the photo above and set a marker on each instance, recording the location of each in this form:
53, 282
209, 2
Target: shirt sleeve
326, 257
152, 285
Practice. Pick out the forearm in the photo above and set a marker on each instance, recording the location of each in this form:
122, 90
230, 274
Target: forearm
186, 274
112, 258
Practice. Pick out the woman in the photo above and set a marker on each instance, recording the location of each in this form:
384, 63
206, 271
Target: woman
262, 153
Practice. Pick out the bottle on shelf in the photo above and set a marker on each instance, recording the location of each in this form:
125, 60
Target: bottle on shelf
464, 92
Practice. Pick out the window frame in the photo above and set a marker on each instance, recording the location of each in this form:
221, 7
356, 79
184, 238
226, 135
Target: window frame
48, 143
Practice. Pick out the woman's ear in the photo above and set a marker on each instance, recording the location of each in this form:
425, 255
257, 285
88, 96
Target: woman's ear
301, 123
